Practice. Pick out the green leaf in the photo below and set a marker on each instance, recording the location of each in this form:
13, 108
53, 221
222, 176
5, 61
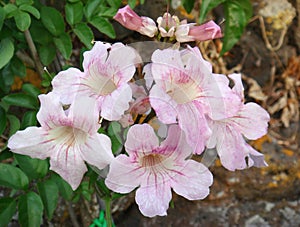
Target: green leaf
22, 20
188, 5
64, 188
30, 9
132, 3
2, 17
17, 66
52, 20
14, 124
39, 33
114, 132
73, 1
107, 12
6, 50
84, 33
13, 177
206, 6
2, 120
22, 100
29, 119
30, 208
64, 45
74, 12
104, 26
91, 7
48, 191
21, 2
8, 207
114, 3
10, 10
236, 20
47, 53
30, 89
33, 167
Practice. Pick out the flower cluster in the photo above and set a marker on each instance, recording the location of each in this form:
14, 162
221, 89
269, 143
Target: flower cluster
199, 109
168, 26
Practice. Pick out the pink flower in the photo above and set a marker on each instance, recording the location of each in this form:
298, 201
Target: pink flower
193, 32
107, 70
185, 91
68, 139
167, 25
249, 120
129, 19
155, 169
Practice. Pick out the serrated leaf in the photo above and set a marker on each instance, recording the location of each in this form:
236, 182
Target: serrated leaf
14, 124
52, 20
91, 7
104, 26
188, 5
22, 100
46, 53
236, 20
206, 6
6, 50
30, 208
12, 177
84, 33
10, 10
34, 168
64, 45
65, 189
3, 120
8, 207
74, 12
21, 2
30, 9
22, 20
30, 89
2, 17
48, 191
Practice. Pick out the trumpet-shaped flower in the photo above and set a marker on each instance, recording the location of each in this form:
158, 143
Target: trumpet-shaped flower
167, 25
249, 120
155, 169
107, 69
68, 138
129, 19
193, 32
184, 92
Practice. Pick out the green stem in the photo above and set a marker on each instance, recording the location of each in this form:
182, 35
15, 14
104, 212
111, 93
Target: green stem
108, 212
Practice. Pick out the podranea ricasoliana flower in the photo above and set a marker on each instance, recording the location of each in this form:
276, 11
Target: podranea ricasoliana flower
184, 92
192, 32
249, 120
69, 138
107, 70
155, 169
129, 19
167, 25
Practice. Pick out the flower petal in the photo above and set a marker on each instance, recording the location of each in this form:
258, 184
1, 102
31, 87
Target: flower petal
238, 87
192, 121
78, 114
141, 138
153, 200
252, 120
32, 141
51, 112
97, 151
67, 162
193, 180
66, 84
123, 176
164, 105
115, 104
97, 54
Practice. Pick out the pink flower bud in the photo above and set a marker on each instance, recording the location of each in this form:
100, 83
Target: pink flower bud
129, 19
192, 32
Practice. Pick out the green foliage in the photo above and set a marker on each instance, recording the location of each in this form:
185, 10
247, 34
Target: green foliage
84, 33
6, 50
8, 207
13, 177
